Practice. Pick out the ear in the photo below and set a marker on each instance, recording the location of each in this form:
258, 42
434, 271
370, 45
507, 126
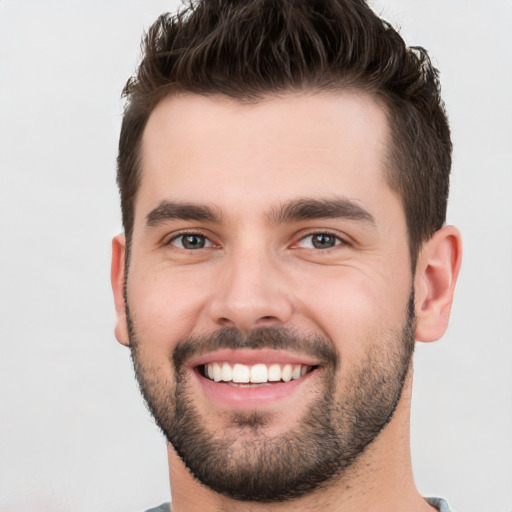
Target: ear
117, 274
436, 274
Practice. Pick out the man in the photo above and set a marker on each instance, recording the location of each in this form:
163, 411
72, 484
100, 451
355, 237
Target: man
283, 169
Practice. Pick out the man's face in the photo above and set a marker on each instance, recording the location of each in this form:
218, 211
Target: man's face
267, 246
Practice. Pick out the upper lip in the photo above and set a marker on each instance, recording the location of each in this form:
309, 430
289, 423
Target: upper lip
251, 357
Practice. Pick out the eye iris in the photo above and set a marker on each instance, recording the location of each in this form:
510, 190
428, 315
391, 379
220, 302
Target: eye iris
193, 241
323, 241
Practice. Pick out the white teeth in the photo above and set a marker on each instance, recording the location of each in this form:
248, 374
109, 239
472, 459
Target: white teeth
227, 372
259, 373
296, 371
241, 373
286, 373
256, 374
274, 373
217, 372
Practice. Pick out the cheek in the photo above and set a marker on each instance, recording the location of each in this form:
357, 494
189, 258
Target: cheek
164, 305
355, 308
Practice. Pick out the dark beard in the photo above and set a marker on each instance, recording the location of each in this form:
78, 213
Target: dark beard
244, 463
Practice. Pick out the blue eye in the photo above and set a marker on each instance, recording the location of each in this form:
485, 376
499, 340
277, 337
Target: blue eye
319, 241
191, 241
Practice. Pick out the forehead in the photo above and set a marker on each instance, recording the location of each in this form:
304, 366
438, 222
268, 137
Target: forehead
213, 149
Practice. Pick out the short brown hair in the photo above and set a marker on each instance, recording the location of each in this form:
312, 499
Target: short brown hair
247, 49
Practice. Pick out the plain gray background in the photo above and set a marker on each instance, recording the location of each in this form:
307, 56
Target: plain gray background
74, 434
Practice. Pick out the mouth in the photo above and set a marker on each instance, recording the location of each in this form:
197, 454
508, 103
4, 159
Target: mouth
244, 379
258, 374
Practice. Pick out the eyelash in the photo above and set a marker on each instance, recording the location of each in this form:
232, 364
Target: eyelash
185, 234
208, 243
338, 240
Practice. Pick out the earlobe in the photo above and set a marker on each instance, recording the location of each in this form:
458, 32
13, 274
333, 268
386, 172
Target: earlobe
117, 276
436, 275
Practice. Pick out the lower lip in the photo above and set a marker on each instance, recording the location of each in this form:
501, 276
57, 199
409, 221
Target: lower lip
248, 397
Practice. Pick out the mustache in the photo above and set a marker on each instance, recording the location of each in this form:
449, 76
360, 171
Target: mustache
275, 338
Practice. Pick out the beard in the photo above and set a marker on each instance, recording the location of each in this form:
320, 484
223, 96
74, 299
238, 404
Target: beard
243, 462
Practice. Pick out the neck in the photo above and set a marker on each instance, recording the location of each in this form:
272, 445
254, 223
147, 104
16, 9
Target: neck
380, 479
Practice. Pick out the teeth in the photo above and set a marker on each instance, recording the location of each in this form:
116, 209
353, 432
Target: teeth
257, 374
274, 373
227, 372
217, 372
241, 373
286, 373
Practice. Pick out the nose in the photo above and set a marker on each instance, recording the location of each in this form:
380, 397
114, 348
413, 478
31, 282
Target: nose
251, 292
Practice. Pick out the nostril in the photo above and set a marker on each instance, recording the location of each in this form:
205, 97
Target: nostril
226, 322
267, 321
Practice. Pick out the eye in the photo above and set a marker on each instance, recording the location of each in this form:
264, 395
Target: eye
319, 241
191, 241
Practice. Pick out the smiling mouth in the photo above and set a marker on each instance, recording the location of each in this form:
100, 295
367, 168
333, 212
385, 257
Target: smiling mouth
257, 374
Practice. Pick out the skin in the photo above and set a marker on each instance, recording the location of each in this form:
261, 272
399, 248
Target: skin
245, 162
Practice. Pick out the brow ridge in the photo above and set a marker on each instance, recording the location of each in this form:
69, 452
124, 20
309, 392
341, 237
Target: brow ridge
310, 209
170, 210
292, 211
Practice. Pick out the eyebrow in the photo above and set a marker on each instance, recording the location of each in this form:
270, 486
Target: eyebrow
168, 210
291, 211
310, 209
